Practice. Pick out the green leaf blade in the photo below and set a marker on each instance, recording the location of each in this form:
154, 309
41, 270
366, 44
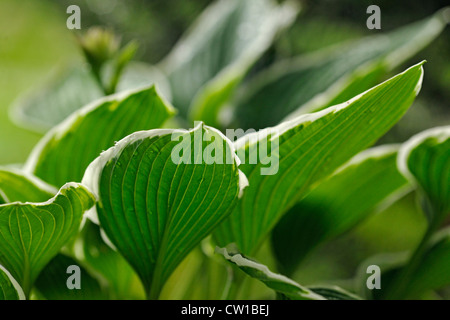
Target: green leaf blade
19, 186
277, 282
334, 293
214, 56
93, 129
425, 159
310, 148
9, 288
65, 93
73, 88
337, 204
331, 76
32, 233
155, 210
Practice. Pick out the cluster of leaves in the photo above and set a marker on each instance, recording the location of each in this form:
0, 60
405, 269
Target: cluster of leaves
140, 225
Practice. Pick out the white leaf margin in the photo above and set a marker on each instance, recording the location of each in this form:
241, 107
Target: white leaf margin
240, 261
93, 171
41, 184
15, 284
293, 120
60, 130
439, 133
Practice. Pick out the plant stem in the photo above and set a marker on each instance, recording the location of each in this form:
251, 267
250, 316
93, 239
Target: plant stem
155, 289
96, 73
399, 285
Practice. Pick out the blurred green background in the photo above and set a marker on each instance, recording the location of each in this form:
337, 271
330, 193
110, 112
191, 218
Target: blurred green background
34, 43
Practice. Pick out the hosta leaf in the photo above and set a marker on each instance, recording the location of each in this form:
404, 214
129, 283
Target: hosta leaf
66, 151
155, 209
9, 288
330, 76
56, 100
33, 233
337, 204
213, 57
277, 282
18, 186
52, 282
306, 150
74, 88
425, 159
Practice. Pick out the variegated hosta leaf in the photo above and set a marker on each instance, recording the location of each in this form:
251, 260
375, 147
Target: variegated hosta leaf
9, 288
65, 152
65, 93
305, 150
309, 83
33, 233
154, 206
425, 159
213, 57
72, 89
277, 282
337, 204
19, 186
